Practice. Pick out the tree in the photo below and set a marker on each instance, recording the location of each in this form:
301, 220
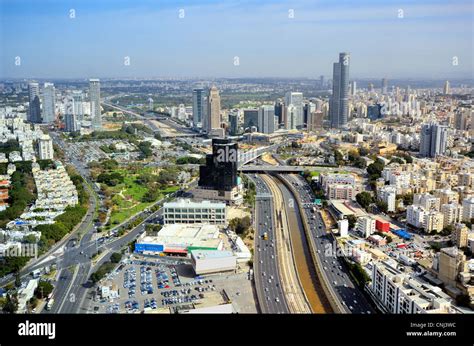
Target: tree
44, 289
11, 304
375, 169
447, 230
383, 206
352, 220
364, 199
116, 257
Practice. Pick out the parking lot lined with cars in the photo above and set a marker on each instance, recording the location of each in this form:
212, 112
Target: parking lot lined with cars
166, 290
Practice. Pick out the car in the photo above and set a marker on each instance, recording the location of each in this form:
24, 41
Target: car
277, 300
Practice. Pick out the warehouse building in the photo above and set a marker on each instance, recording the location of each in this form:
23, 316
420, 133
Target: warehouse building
186, 211
180, 239
207, 262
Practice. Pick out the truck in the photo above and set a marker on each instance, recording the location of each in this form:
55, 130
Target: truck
265, 236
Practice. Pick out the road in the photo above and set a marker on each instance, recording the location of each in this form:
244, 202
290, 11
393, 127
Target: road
265, 256
336, 273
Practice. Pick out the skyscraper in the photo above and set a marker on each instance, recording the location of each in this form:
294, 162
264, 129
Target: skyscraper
266, 119
338, 107
220, 170
353, 88
384, 86
322, 84
446, 89
34, 109
279, 105
70, 122
199, 99
250, 118
213, 110
94, 95
295, 99
49, 103
434, 139
77, 100
234, 123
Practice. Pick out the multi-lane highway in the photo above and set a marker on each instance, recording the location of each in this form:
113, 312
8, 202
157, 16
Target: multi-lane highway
334, 268
267, 277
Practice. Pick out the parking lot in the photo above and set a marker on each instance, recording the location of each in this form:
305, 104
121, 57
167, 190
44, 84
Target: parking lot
156, 285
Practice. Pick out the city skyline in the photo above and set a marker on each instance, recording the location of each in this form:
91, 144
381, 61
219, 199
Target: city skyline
171, 40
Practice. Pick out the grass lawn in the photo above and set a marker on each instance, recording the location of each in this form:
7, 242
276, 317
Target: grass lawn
127, 198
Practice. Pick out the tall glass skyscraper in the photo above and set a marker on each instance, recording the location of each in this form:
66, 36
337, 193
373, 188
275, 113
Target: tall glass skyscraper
338, 107
199, 99
49, 103
34, 109
94, 95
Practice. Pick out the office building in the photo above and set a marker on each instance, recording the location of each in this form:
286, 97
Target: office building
446, 89
266, 119
234, 123
384, 86
315, 121
353, 88
34, 107
78, 99
49, 103
45, 148
338, 106
71, 123
189, 212
279, 106
250, 118
218, 179
94, 95
199, 100
213, 121
434, 140
295, 99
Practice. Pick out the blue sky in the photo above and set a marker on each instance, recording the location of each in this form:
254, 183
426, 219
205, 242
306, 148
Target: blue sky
204, 43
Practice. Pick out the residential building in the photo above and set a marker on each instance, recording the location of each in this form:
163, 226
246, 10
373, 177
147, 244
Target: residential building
434, 139
365, 225
388, 194
460, 235
451, 262
468, 209
45, 148
399, 293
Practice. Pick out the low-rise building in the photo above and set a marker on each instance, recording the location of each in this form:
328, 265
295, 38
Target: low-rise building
186, 211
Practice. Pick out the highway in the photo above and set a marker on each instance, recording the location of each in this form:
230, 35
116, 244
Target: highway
267, 277
335, 271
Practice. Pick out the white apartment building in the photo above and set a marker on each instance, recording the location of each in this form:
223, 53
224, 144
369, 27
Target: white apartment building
187, 211
400, 293
468, 209
433, 221
45, 148
415, 215
427, 201
365, 225
452, 213
388, 194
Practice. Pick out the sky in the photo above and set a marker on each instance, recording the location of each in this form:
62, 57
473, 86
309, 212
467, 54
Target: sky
425, 39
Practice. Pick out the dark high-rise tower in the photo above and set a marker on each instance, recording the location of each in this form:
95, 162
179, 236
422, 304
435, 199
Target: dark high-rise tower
220, 171
199, 99
338, 107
